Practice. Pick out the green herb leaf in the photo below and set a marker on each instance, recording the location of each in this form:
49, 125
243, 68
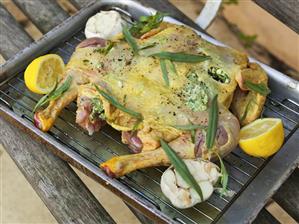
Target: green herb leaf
247, 40
224, 175
147, 46
115, 103
171, 67
130, 39
189, 127
193, 136
213, 121
105, 50
55, 93
164, 71
146, 24
181, 57
42, 101
260, 88
181, 168
245, 111
136, 125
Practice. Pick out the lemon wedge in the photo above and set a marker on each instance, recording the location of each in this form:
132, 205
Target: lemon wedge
43, 72
263, 137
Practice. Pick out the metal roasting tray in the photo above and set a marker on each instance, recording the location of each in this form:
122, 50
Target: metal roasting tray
254, 180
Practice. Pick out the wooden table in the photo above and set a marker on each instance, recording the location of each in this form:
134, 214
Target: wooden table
61, 190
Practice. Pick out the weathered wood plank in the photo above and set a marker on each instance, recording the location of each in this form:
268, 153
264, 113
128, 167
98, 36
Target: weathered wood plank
141, 217
10, 43
58, 186
286, 11
288, 195
160, 5
45, 14
80, 3
264, 217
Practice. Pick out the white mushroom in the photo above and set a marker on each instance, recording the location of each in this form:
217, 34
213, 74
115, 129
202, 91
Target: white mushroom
105, 24
179, 192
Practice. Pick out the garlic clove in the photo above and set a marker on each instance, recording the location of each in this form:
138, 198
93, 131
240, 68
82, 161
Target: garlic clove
105, 24
178, 191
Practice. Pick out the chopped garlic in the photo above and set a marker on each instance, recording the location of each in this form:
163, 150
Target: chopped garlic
178, 191
105, 24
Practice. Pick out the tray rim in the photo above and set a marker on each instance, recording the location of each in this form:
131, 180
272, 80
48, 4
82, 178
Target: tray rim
8, 71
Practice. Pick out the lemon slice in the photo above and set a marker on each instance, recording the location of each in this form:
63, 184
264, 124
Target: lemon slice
43, 72
262, 138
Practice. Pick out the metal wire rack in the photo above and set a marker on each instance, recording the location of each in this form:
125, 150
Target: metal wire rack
105, 144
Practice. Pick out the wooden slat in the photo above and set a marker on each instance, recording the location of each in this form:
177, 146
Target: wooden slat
10, 43
59, 187
55, 182
141, 217
264, 217
288, 195
45, 14
80, 3
286, 11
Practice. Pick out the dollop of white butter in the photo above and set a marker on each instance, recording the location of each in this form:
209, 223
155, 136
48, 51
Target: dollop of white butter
179, 192
104, 24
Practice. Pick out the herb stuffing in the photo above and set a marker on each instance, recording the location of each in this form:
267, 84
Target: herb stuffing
97, 109
218, 74
196, 93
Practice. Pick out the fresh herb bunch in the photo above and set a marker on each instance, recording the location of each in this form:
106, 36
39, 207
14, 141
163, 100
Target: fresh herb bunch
146, 24
55, 93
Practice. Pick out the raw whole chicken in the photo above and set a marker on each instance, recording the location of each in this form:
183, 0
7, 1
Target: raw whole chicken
137, 83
